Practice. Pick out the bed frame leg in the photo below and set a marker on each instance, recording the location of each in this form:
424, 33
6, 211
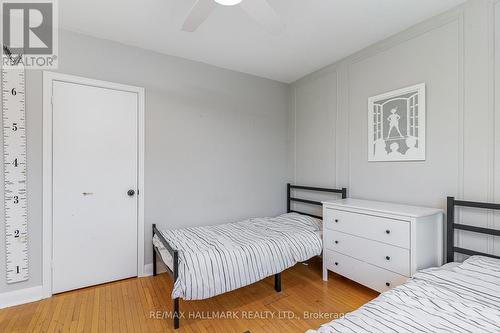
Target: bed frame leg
154, 253
154, 261
277, 282
176, 314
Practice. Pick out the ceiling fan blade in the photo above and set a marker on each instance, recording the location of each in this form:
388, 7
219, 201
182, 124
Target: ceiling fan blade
264, 14
198, 14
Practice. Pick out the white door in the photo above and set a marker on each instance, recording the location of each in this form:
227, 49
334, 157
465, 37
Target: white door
95, 162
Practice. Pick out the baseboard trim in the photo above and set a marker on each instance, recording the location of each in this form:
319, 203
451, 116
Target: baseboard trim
21, 296
148, 269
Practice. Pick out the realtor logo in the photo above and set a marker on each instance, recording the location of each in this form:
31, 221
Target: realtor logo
29, 34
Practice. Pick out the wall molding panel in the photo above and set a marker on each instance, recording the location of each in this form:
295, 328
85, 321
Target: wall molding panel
490, 35
496, 89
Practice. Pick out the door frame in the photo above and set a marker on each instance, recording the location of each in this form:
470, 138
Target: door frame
47, 202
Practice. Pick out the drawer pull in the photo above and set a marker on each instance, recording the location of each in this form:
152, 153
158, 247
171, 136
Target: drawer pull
336, 242
336, 263
336, 221
387, 258
388, 284
387, 231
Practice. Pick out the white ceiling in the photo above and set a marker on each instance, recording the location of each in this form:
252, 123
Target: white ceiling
317, 32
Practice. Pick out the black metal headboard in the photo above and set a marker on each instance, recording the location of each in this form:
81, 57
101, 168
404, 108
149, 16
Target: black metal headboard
451, 249
289, 198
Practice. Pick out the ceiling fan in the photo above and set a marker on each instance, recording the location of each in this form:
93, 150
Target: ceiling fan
259, 10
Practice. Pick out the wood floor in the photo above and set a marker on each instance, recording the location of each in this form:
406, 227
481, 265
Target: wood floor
131, 305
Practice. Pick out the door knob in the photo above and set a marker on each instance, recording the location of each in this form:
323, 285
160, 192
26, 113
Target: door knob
130, 193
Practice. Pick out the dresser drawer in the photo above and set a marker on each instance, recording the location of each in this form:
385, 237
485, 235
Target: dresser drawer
393, 258
371, 276
395, 232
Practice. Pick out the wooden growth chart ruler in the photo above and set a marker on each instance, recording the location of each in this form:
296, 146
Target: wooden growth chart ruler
14, 161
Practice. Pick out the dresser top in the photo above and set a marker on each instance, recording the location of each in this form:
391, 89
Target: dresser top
383, 207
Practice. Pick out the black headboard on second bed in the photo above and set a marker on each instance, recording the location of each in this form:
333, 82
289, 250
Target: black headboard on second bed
451, 226
290, 199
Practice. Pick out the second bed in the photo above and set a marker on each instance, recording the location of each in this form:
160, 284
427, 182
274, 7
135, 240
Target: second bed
457, 297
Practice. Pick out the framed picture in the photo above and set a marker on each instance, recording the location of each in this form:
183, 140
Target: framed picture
396, 125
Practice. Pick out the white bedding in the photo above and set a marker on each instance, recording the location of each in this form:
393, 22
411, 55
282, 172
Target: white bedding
220, 258
453, 299
166, 257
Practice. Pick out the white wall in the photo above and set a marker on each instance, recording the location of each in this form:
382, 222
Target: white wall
454, 55
216, 140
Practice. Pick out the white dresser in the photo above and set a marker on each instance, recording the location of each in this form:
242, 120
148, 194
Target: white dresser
380, 244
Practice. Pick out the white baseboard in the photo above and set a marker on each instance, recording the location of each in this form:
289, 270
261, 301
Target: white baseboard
21, 296
148, 269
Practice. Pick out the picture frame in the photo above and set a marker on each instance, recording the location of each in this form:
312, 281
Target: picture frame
396, 125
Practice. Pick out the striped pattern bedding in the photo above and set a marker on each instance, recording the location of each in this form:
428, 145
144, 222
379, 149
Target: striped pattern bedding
220, 258
465, 298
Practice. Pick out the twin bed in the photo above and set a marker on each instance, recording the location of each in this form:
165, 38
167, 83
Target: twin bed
209, 261
457, 297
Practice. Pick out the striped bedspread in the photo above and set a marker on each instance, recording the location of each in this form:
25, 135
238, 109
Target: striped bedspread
220, 258
465, 298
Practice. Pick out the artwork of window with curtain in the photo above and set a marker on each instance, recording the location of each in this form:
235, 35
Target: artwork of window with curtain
396, 125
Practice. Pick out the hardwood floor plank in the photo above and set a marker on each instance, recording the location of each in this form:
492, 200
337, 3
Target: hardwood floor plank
43, 322
108, 322
95, 312
52, 324
87, 315
81, 312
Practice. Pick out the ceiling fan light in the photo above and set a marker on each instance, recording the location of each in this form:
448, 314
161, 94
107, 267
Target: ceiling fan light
228, 2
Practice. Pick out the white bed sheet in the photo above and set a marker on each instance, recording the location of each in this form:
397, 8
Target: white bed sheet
454, 298
165, 255
220, 258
